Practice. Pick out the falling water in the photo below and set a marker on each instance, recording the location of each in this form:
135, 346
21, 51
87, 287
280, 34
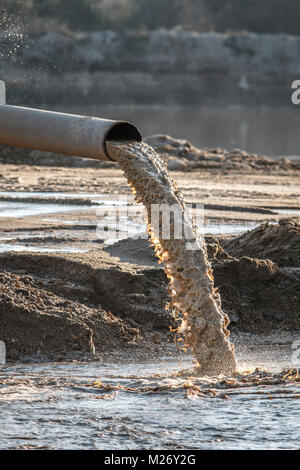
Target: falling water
191, 286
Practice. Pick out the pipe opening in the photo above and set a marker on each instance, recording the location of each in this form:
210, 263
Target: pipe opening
122, 131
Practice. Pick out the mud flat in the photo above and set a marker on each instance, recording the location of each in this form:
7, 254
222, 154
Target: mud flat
62, 307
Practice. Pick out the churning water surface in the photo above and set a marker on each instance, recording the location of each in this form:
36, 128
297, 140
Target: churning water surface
140, 406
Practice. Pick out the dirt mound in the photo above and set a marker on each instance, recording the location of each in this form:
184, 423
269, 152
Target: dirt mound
19, 156
258, 289
181, 155
278, 242
58, 306
257, 295
135, 251
35, 322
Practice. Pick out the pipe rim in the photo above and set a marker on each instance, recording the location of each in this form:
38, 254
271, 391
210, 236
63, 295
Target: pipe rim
121, 130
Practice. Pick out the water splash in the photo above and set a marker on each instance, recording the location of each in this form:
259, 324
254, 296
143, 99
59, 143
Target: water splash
194, 298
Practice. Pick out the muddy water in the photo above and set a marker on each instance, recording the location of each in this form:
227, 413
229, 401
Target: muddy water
191, 287
136, 406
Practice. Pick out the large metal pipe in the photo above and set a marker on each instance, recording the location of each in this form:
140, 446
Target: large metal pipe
69, 134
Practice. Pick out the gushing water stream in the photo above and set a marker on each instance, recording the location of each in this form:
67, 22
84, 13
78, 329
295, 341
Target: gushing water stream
191, 286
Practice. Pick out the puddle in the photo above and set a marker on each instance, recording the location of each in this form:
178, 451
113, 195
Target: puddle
11, 247
229, 229
43, 242
288, 211
38, 236
27, 209
14, 204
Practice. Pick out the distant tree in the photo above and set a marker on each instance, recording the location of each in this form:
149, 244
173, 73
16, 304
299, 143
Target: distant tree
113, 14
15, 8
77, 14
155, 14
196, 16
260, 16
14, 14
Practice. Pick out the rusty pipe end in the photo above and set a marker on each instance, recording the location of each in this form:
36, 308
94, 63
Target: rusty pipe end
121, 130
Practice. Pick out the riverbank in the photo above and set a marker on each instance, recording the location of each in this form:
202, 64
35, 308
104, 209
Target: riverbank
179, 155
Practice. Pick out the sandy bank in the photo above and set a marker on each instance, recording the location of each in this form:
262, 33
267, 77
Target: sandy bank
179, 154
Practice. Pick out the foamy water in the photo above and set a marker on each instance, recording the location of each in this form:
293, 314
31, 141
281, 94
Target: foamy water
193, 296
142, 406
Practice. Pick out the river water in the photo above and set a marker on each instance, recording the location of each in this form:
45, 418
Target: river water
141, 406
272, 131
